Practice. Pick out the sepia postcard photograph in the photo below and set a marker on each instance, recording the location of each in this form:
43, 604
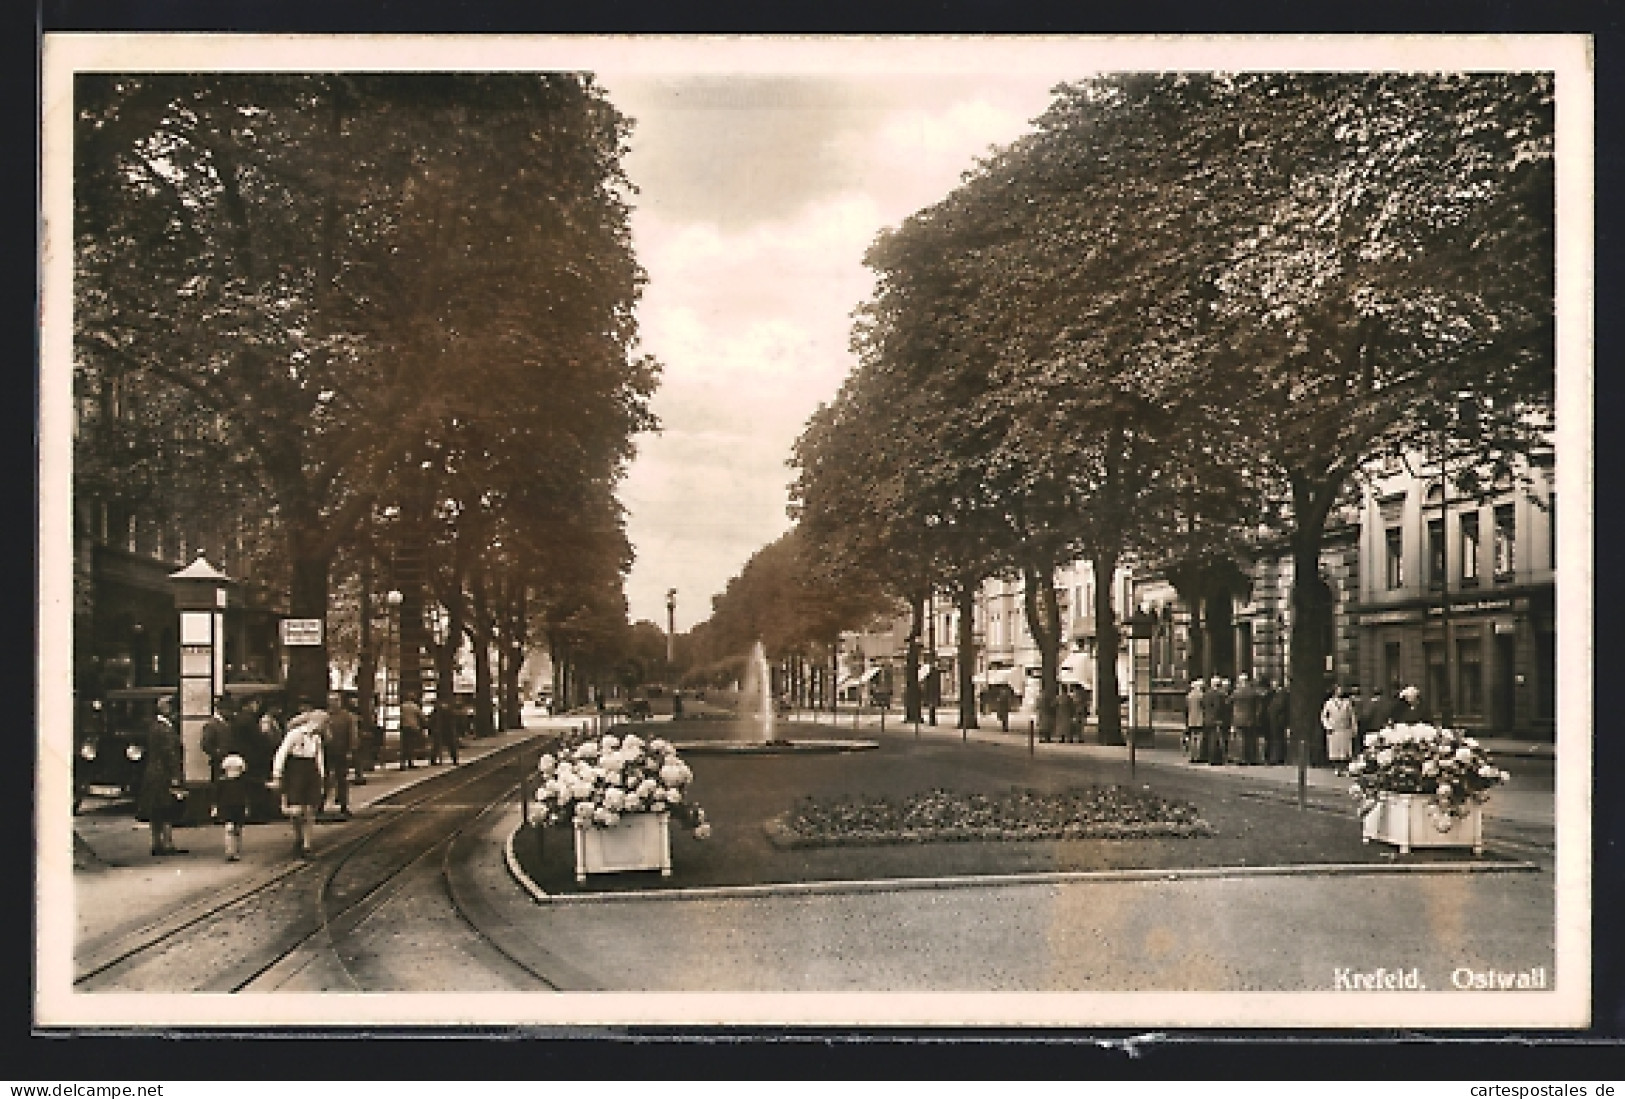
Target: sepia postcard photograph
1051, 532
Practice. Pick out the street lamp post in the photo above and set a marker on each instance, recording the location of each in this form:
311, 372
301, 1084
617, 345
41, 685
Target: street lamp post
671, 626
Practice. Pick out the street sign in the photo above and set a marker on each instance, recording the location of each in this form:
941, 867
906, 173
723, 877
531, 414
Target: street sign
301, 631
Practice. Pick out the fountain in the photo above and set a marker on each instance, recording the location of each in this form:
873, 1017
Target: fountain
752, 731
755, 696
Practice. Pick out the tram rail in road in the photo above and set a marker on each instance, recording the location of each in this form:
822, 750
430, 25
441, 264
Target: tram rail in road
254, 935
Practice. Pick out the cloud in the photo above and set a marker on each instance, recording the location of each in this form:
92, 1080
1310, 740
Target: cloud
759, 200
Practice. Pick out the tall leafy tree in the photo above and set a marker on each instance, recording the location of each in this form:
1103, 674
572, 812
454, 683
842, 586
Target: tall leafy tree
340, 267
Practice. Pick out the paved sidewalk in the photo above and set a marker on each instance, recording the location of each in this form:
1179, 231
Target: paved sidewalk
120, 887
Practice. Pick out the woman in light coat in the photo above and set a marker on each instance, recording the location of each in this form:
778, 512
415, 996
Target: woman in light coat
298, 771
1340, 721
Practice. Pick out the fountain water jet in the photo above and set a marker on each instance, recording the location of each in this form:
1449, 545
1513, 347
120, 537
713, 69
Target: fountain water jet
752, 732
756, 695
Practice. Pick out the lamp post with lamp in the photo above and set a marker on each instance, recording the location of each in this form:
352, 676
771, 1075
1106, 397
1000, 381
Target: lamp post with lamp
671, 627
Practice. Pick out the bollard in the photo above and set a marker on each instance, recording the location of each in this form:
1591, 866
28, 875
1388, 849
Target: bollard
1303, 773
1031, 747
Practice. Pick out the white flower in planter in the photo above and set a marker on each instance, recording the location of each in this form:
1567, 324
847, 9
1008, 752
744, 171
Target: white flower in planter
1430, 767
547, 764
673, 797
610, 742
614, 799
1464, 754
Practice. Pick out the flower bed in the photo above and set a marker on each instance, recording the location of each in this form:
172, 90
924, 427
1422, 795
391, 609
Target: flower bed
594, 782
1446, 767
1089, 812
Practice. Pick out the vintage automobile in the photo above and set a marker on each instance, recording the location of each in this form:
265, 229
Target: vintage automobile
111, 742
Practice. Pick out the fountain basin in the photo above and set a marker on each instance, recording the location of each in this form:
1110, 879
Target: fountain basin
769, 747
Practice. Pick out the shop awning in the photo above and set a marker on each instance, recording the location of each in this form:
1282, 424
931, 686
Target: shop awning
870, 674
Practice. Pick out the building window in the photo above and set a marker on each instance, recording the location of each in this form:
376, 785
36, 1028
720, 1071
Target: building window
1469, 548
1470, 676
1436, 576
1438, 687
1393, 674
1505, 541
1394, 541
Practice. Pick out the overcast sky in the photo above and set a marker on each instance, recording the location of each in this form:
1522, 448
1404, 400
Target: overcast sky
759, 196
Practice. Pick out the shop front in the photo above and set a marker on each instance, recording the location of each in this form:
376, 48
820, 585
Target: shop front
1485, 663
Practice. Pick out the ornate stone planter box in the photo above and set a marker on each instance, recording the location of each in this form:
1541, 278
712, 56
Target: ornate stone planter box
1406, 821
638, 841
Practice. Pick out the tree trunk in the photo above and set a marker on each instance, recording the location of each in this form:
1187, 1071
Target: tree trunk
512, 716
366, 674
307, 598
911, 661
1044, 622
965, 598
445, 657
1311, 607
480, 637
1107, 700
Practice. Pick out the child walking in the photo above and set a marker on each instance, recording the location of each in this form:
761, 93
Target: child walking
298, 770
231, 803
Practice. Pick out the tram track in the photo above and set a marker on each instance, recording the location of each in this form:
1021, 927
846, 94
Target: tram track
259, 934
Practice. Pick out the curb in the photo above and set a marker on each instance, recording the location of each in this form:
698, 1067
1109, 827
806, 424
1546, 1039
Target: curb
517, 872
1057, 877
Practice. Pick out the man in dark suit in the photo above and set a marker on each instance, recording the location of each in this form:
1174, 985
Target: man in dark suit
1215, 729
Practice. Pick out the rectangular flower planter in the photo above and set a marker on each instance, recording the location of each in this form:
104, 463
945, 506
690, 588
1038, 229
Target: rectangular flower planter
638, 841
1406, 821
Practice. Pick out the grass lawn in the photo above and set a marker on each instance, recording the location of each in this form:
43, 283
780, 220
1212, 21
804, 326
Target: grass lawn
742, 795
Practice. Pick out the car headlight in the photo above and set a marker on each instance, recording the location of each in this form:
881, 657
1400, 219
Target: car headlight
87, 751
134, 752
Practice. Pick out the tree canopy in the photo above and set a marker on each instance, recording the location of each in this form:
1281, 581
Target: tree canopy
1186, 301
409, 291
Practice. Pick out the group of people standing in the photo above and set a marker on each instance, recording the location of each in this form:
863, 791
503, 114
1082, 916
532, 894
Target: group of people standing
1070, 713
1248, 724
1251, 723
308, 761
